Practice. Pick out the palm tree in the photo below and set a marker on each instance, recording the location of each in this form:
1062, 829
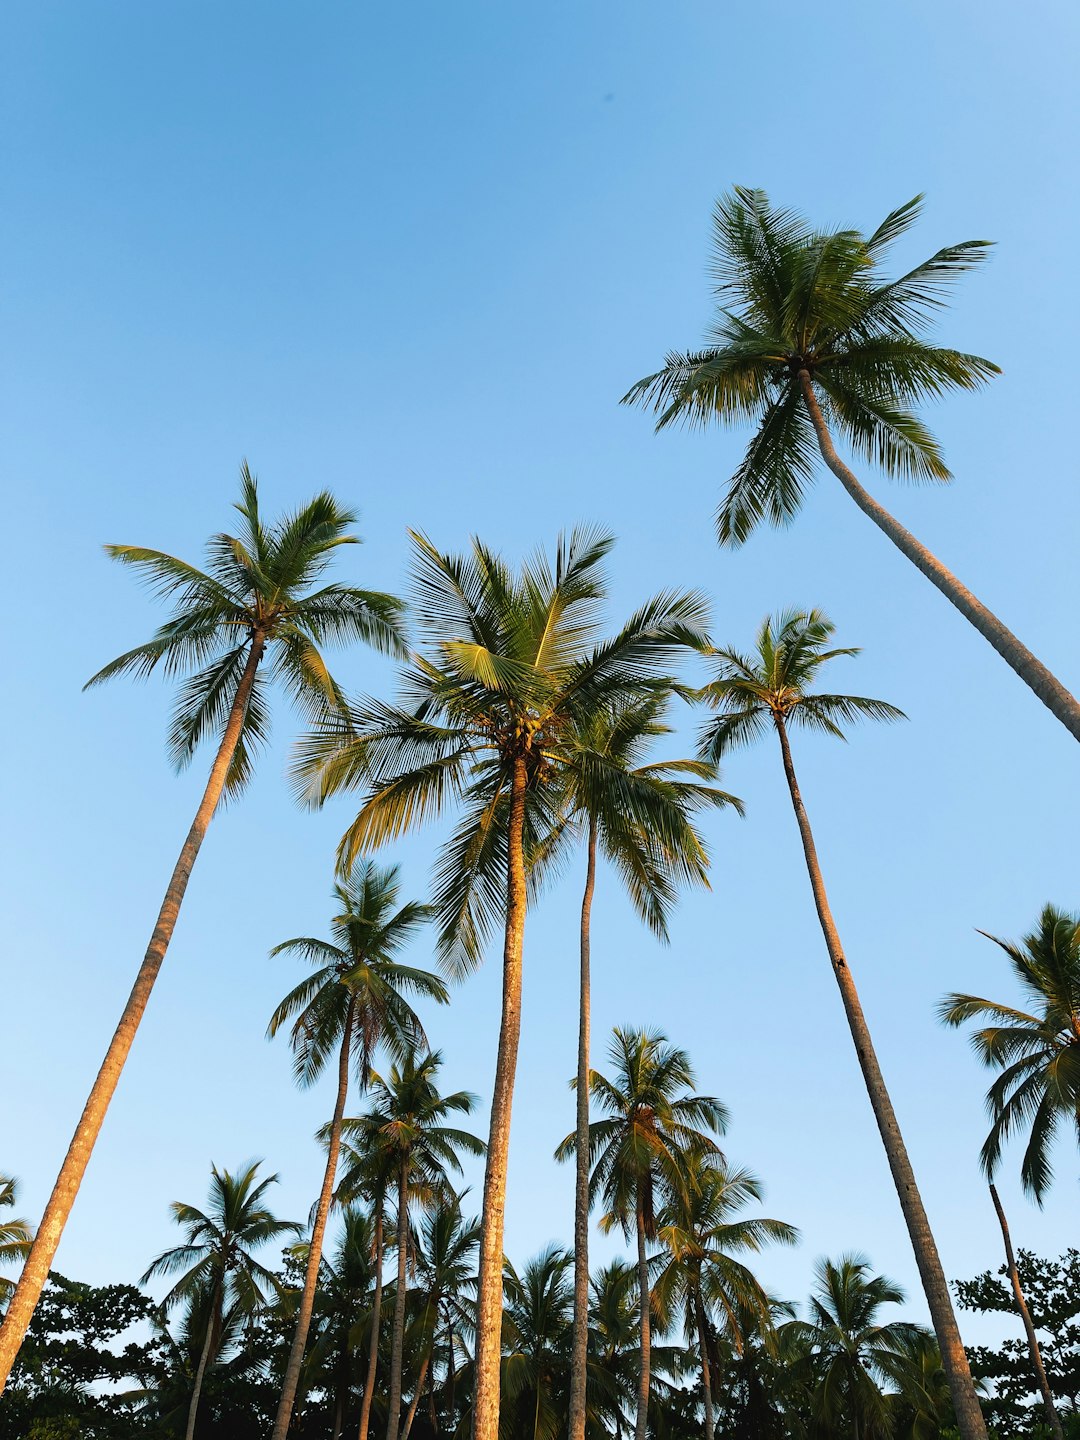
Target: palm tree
614, 1330
702, 1232
644, 1152
16, 1236
537, 1327
1036, 1050
368, 1175
510, 665
639, 815
447, 1275
407, 1125
346, 1284
771, 689
811, 334
253, 600
216, 1258
853, 1350
355, 1001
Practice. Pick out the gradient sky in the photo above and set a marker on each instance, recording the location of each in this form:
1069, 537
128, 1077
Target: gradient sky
416, 254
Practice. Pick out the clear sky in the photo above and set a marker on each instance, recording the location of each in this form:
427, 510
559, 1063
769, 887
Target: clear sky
416, 254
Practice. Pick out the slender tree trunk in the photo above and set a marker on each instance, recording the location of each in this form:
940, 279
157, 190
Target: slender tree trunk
416, 1398
965, 1401
580, 1358
1032, 671
204, 1361
1025, 1315
644, 1325
489, 1299
339, 1416
398, 1343
318, 1232
706, 1377
376, 1312
39, 1261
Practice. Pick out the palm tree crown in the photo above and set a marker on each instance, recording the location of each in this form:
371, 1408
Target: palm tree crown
255, 591
793, 300
1036, 1050
15, 1235
752, 692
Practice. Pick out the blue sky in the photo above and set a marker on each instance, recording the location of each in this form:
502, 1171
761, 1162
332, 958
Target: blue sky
416, 254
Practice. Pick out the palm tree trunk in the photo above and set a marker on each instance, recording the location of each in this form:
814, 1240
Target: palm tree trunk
416, 1398
489, 1298
1032, 671
706, 1378
580, 1356
318, 1232
204, 1361
1025, 1315
398, 1343
376, 1312
643, 1293
39, 1261
954, 1361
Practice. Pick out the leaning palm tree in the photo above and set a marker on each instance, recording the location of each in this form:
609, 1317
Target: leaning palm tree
217, 1260
770, 689
643, 1153
1037, 1050
510, 664
16, 1236
355, 1001
638, 814
406, 1124
854, 1351
810, 335
703, 1234
253, 601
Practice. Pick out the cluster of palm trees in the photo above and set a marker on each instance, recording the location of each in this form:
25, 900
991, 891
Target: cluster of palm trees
520, 713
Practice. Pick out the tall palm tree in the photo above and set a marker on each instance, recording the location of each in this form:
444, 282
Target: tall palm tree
253, 601
217, 1260
447, 1277
510, 663
406, 1123
854, 1351
639, 816
810, 334
1037, 1050
771, 689
355, 1001
643, 1152
703, 1233
16, 1236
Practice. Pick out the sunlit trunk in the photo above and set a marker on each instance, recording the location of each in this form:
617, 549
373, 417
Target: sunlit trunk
644, 1325
485, 1423
39, 1261
398, 1341
318, 1232
580, 1356
965, 1401
376, 1313
1032, 671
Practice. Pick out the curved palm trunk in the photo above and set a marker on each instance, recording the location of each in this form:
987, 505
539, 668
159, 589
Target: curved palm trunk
204, 1361
39, 1261
1032, 671
398, 1343
706, 1377
416, 1398
1025, 1315
965, 1401
489, 1298
580, 1356
376, 1313
318, 1232
644, 1322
